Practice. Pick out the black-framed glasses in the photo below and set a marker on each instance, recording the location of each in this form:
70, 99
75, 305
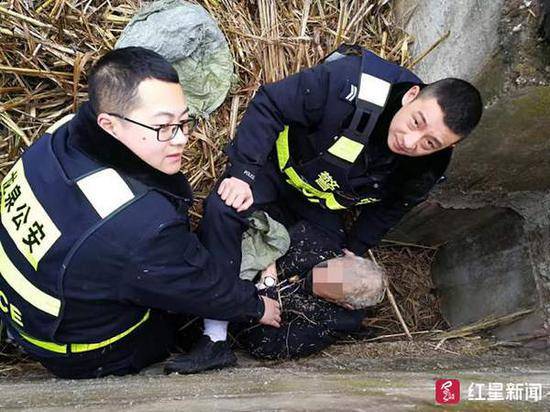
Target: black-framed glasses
165, 132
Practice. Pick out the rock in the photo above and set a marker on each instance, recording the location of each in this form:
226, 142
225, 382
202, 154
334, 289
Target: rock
470, 22
491, 218
189, 38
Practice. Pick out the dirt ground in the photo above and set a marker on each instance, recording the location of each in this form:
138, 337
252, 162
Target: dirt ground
359, 376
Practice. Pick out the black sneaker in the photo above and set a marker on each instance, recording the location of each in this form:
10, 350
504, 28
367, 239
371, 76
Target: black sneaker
204, 355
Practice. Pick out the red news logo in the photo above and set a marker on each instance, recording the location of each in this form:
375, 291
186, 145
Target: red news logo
447, 391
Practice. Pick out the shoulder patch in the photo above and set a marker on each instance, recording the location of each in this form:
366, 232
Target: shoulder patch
348, 91
106, 191
350, 97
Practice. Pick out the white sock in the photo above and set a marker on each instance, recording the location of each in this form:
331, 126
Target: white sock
215, 329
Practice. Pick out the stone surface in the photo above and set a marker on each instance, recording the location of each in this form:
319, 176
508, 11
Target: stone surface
484, 277
472, 39
491, 218
347, 380
510, 150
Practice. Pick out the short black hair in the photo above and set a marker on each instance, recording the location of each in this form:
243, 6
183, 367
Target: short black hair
113, 81
460, 102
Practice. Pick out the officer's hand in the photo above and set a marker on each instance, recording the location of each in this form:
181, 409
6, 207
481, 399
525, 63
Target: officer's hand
236, 193
272, 313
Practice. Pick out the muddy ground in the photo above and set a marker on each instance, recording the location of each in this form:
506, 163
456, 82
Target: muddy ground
359, 376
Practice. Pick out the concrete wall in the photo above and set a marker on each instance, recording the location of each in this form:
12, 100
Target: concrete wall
491, 218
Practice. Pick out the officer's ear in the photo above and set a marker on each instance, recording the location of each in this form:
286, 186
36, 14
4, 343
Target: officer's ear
107, 123
410, 95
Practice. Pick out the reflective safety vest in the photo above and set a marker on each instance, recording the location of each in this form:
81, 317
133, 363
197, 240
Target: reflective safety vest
47, 211
324, 179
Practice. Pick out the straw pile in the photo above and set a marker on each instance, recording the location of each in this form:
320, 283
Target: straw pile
47, 47
408, 271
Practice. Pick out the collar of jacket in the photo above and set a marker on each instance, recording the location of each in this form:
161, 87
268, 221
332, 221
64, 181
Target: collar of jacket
86, 136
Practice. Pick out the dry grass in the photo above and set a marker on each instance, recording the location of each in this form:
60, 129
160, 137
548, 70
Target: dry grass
12, 361
46, 50
408, 270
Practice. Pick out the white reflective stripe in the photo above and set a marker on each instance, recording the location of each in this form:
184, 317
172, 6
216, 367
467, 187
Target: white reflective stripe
106, 191
59, 123
374, 90
26, 289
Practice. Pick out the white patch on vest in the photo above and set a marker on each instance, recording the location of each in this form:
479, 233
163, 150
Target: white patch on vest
59, 123
374, 90
106, 191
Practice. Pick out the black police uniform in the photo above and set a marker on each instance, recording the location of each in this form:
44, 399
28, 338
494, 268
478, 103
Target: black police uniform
96, 254
317, 142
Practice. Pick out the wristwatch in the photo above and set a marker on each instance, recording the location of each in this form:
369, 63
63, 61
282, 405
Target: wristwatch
269, 281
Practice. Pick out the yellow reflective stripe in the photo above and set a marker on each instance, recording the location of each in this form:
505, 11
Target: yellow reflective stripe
283, 155
52, 347
346, 149
84, 347
300, 184
283, 151
332, 204
368, 200
26, 289
81, 347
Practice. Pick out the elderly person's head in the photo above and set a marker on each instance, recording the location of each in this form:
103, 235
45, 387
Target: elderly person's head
349, 281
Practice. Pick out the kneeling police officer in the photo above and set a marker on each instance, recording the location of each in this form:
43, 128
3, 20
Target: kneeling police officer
353, 132
96, 255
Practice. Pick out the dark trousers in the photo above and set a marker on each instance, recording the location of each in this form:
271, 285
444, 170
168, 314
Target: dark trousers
308, 326
152, 342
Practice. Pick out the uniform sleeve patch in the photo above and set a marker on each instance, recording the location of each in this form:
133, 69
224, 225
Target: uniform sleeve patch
106, 191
